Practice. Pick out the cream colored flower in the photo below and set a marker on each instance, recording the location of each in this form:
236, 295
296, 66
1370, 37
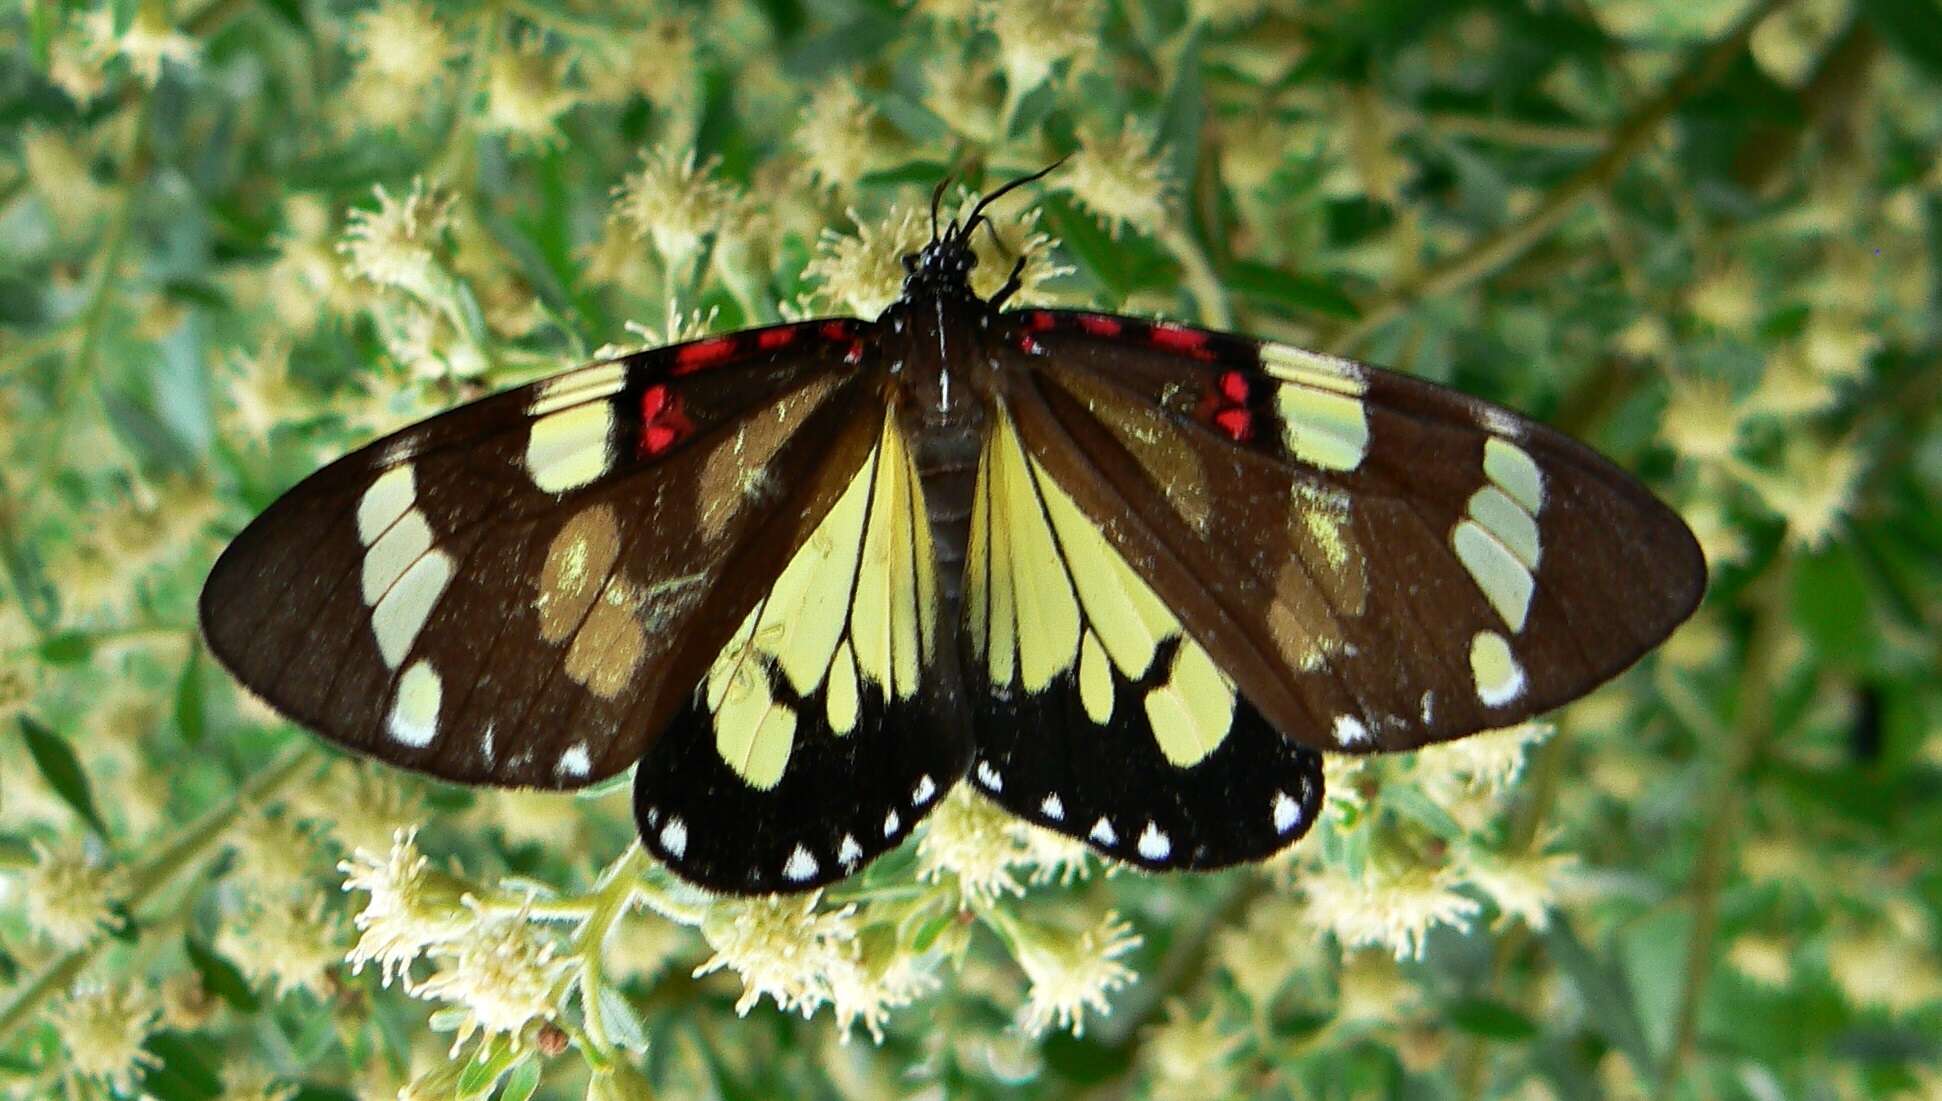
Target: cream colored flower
411, 907
69, 898
1192, 1057
1071, 974
1524, 886
363, 807
275, 853
673, 202
1394, 909
836, 135
1118, 178
401, 49
288, 943
102, 1030
526, 91
1034, 36
780, 946
1814, 489
1488, 761
397, 244
971, 840
865, 273
1703, 419
501, 972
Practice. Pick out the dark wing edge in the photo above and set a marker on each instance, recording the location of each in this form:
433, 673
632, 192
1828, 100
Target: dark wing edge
519, 591
1379, 562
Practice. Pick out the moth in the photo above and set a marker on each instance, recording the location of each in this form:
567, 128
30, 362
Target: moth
1133, 578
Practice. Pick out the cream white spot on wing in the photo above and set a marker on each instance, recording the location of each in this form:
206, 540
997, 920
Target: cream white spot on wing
849, 852
414, 714
1291, 364
394, 552
1504, 581
1349, 731
1499, 678
401, 614
485, 744
587, 384
1427, 708
800, 865
575, 761
674, 837
1514, 471
923, 792
1507, 520
1154, 843
1052, 807
571, 448
1322, 427
891, 824
1102, 832
989, 777
1284, 812
387, 499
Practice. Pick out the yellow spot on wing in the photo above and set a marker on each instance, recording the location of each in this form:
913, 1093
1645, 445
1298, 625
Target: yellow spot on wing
389, 496
1512, 526
1095, 680
1048, 614
754, 733
1192, 712
1498, 676
841, 695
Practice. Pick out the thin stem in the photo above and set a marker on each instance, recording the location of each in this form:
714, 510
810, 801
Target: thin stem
1209, 296
1751, 727
94, 314
618, 886
1628, 139
194, 842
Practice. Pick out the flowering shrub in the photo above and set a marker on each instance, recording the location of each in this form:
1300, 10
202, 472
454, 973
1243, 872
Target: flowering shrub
237, 239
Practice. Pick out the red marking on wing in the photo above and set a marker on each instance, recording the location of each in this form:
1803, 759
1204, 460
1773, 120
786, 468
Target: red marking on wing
1177, 339
1233, 386
663, 424
702, 353
1039, 321
1237, 423
1100, 325
835, 330
1029, 346
854, 355
770, 339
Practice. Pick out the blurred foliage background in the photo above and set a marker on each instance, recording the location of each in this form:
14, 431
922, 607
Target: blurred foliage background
238, 238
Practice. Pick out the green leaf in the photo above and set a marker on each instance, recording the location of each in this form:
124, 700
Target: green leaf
624, 1025
1913, 28
220, 977
1409, 801
1181, 115
1096, 254
1286, 292
27, 577
67, 648
1490, 1019
190, 713
1607, 997
188, 1068
493, 1060
62, 771
146, 433
521, 1083
1834, 606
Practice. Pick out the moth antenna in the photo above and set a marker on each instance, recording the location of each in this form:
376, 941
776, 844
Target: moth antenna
937, 196
977, 212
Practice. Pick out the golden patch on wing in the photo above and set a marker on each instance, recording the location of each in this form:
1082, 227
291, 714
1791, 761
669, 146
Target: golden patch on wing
738, 467
1149, 434
1323, 581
